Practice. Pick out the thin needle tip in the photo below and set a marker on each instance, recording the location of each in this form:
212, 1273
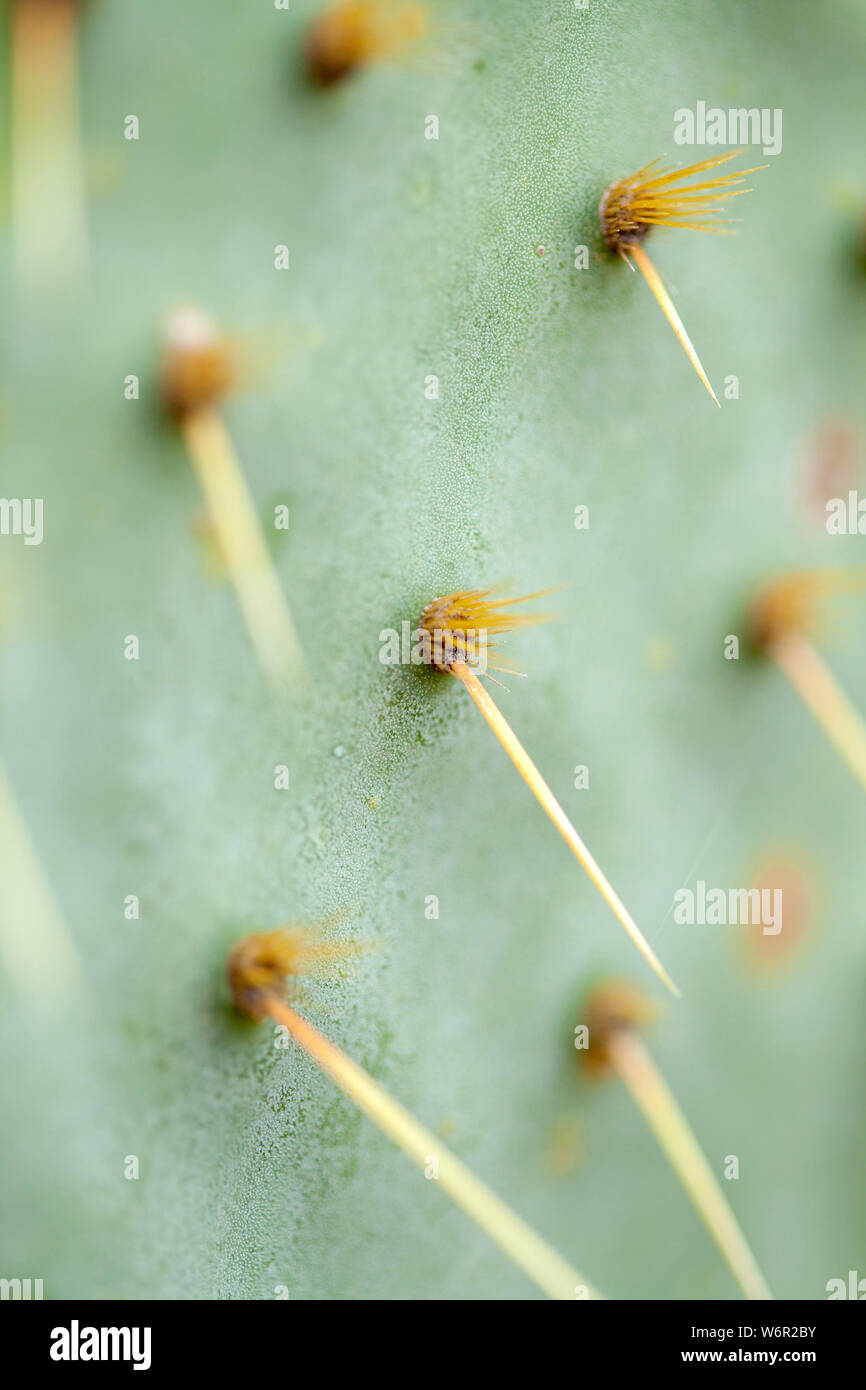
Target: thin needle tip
665, 302
659, 969
546, 799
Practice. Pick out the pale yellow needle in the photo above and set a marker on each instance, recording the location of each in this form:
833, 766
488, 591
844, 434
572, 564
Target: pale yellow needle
547, 1269
670, 1127
818, 689
47, 174
656, 284
537, 785
236, 523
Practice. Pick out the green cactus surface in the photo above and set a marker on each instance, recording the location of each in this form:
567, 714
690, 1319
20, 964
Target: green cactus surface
558, 387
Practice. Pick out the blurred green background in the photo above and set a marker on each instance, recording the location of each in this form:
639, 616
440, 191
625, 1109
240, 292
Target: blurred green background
558, 387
